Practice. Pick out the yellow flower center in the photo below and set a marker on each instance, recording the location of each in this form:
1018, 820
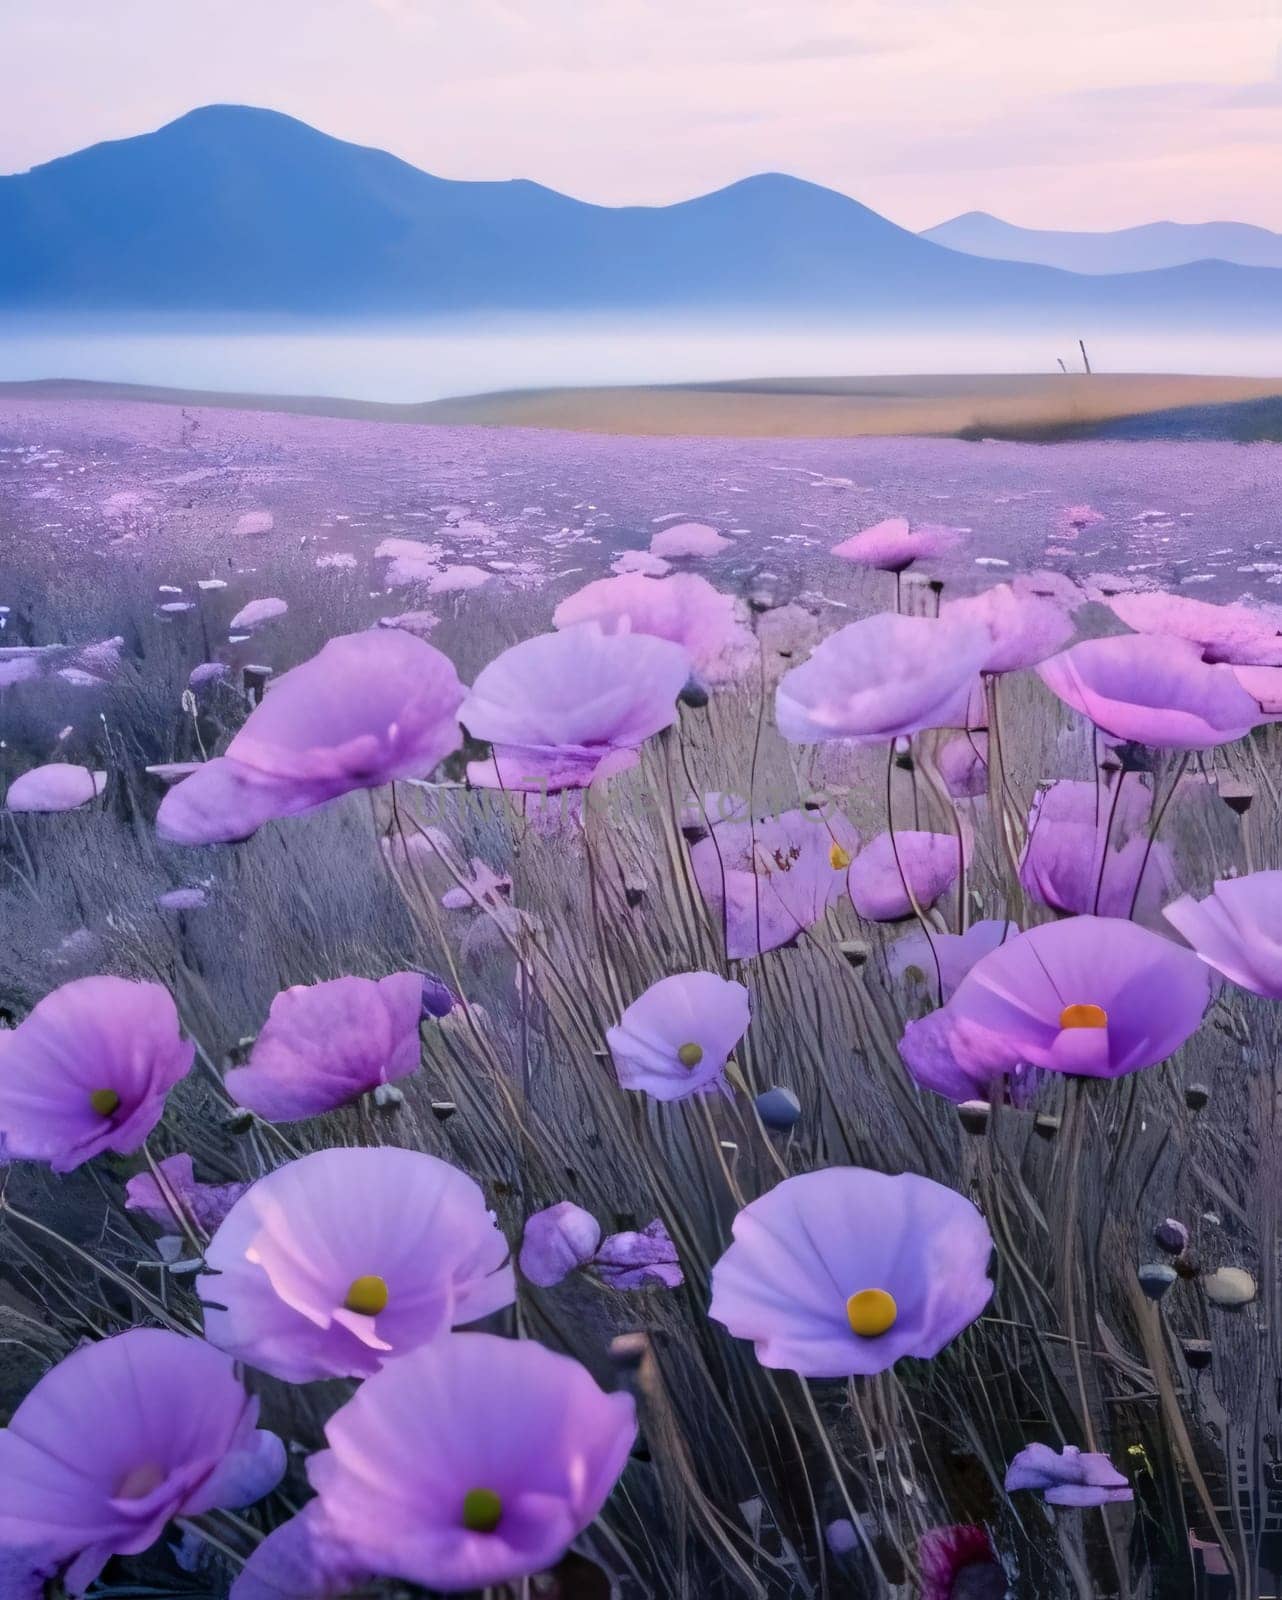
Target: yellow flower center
839, 857
690, 1055
367, 1295
871, 1312
482, 1510
104, 1101
1083, 1016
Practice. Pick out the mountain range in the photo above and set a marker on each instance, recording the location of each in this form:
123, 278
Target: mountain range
1148, 248
239, 211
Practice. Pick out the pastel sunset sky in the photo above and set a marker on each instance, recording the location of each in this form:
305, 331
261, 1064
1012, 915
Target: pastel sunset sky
1094, 114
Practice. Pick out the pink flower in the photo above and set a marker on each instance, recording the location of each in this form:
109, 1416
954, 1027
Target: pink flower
946, 958
675, 1040
640, 1260
325, 1044
561, 707
1237, 930
368, 709
60, 786
206, 1203
1248, 636
1157, 691
1068, 1477
1090, 996
893, 545
557, 1241
895, 869
883, 678
1087, 851
525, 1449
772, 878
88, 1070
845, 1271
121, 1437
963, 765
959, 1563
346, 1258
1023, 629
300, 1560
685, 609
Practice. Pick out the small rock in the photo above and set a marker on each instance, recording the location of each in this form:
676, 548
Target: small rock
974, 1115
1045, 1125
1229, 1286
856, 951
1197, 1352
1156, 1278
779, 1109
1171, 1235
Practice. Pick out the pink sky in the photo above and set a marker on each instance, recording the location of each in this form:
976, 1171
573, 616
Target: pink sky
1094, 114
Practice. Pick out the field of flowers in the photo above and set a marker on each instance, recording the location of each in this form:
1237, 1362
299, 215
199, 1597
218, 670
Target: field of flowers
710, 1098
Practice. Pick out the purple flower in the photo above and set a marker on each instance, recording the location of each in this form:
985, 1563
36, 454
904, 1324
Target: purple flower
1237, 930
325, 1044
367, 709
557, 1241
708, 625
882, 678
959, 1563
438, 997
1023, 629
60, 786
675, 1040
121, 1437
640, 1260
563, 708
300, 1560
88, 1070
1091, 996
946, 958
845, 1271
1084, 852
895, 869
525, 1449
339, 1261
1247, 636
963, 765
205, 1203
1157, 691
772, 878
1067, 1477
893, 545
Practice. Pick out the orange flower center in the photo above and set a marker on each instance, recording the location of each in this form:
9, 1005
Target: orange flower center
871, 1313
1083, 1016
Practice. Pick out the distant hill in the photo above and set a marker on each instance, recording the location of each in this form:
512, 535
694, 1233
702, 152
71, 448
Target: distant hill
242, 211
1144, 249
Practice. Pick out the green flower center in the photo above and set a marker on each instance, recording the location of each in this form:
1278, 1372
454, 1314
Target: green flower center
482, 1510
367, 1295
104, 1101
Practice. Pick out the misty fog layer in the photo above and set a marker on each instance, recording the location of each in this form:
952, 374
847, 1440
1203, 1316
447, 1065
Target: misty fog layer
430, 361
